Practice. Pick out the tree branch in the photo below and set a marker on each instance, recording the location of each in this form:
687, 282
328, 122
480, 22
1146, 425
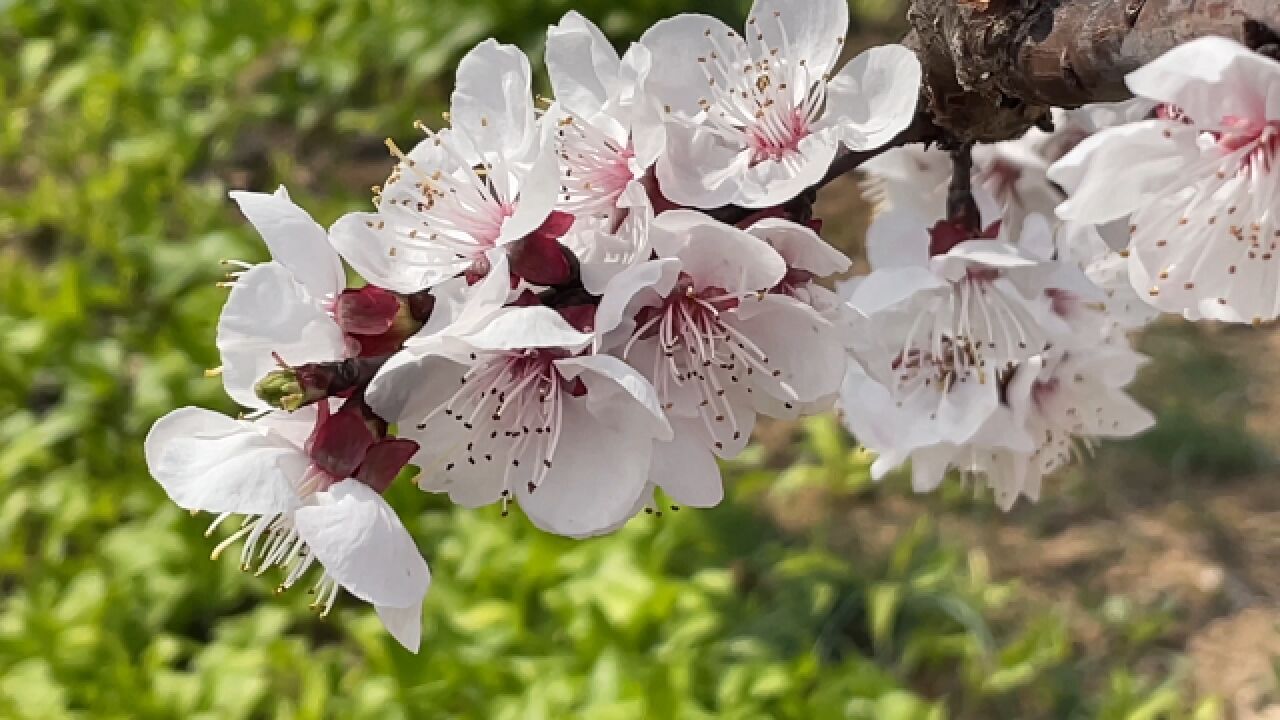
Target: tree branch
993, 68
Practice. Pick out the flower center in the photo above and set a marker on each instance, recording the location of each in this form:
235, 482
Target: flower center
760, 96
597, 168
511, 403
702, 355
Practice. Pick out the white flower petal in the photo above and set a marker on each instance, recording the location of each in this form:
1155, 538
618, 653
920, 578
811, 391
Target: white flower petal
699, 168
1211, 78
615, 387
492, 101
898, 238
526, 327
207, 461
686, 470
537, 199
404, 624
582, 64
295, 240
628, 291
369, 243
873, 98
1141, 154
886, 288
801, 247
362, 544
675, 44
799, 345
599, 470
268, 312
811, 32
715, 254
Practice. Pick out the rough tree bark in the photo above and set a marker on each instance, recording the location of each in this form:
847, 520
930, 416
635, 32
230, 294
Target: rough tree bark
993, 68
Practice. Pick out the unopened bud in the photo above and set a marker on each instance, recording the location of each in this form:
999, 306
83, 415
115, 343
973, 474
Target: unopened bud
282, 389
290, 388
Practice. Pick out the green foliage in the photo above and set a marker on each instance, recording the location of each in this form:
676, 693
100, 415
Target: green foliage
125, 123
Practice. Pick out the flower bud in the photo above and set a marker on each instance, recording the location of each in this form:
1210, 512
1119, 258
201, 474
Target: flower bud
380, 320
282, 389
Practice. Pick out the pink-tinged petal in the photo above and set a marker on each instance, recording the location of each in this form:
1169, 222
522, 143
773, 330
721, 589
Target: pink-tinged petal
362, 544
369, 243
582, 65
686, 470
699, 168
716, 255
1116, 171
801, 247
898, 238
538, 189
598, 471
883, 289
492, 100
809, 33
384, 461
615, 387
295, 240
268, 312
772, 182
873, 98
635, 287
404, 624
207, 461
675, 44
1211, 78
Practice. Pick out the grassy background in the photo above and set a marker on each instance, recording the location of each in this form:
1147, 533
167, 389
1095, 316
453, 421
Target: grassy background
809, 594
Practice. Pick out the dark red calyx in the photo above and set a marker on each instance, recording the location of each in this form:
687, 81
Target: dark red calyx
539, 258
340, 440
380, 320
659, 201
947, 234
369, 310
581, 317
384, 461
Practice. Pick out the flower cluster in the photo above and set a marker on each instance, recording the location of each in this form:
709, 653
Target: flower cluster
569, 305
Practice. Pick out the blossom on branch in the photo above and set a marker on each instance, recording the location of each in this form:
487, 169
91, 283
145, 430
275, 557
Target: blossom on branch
754, 118
1199, 182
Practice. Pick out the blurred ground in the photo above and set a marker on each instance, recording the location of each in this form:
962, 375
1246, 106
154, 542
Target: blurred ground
1185, 523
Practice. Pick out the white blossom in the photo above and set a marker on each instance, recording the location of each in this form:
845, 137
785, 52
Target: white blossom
280, 309
465, 192
1199, 182
297, 514
755, 118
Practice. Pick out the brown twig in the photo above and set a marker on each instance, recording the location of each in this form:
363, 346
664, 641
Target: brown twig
991, 73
